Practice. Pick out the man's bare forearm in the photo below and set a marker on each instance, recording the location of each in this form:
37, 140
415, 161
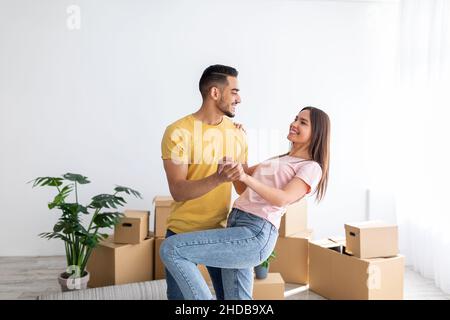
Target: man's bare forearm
185, 190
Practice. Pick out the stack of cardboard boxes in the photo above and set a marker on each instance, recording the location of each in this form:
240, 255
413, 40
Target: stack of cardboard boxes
126, 256
363, 266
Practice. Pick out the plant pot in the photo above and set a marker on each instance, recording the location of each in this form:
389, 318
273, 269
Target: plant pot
69, 283
261, 272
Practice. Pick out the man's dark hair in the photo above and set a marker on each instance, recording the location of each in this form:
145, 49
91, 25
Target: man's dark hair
215, 75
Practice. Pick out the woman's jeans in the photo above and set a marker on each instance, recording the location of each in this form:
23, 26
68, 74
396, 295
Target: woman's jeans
247, 241
174, 292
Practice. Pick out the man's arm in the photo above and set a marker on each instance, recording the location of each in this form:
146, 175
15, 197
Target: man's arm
182, 189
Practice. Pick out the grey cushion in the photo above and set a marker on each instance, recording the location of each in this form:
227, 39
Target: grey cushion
148, 290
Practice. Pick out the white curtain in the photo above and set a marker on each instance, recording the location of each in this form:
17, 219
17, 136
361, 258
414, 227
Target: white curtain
422, 138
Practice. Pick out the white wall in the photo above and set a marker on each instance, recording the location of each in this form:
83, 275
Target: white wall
96, 100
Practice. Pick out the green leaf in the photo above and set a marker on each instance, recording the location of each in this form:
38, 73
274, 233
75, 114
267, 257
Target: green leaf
266, 262
68, 224
107, 201
58, 227
103, 236
73, 208
47, 181
107, 219
54, 235
128, 191
91, 240
76, 178
61, 196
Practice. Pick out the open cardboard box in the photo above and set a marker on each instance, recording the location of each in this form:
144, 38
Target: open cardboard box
336, 275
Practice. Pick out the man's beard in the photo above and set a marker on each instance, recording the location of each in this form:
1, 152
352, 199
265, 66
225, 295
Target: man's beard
229, 114
226, 112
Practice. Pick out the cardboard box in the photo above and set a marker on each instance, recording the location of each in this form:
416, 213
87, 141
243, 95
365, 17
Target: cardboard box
133, 228
292, 257
160, 272
163, 208
336, 275
112, 263
371, 239
205, 273
271, 288
295, 219
159, 266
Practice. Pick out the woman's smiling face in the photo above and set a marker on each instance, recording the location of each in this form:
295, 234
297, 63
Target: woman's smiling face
300, 128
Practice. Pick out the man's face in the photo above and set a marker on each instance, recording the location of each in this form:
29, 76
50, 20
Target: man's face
229, 97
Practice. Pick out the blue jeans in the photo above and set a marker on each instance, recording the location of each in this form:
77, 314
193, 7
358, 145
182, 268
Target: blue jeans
246, 242
174, 292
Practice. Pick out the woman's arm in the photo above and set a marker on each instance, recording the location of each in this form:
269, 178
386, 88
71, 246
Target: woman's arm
240, 186
292, 192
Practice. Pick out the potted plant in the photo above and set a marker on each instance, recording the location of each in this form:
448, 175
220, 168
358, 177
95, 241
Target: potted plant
79, 239
262, 269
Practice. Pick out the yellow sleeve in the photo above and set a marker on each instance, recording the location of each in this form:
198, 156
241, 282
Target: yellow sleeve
175, 145
245, 160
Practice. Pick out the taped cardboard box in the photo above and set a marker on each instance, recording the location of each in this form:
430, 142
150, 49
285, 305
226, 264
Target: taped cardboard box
270, 288
336, 275
133, 228
163, 208
112, 263
371, 239
159, 266
292, 257
295, 219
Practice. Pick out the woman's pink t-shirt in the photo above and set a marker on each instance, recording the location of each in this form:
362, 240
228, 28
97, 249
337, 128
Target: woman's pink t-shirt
277, 173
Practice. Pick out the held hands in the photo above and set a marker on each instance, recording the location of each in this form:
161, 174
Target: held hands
229, 171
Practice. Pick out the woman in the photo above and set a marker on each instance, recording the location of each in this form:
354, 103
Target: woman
252, 227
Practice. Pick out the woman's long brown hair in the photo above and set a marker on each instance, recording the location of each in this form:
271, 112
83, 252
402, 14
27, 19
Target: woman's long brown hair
319, 146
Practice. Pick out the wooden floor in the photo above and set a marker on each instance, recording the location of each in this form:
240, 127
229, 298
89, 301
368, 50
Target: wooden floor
28, 277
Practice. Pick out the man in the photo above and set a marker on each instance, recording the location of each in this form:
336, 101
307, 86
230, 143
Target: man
192, 148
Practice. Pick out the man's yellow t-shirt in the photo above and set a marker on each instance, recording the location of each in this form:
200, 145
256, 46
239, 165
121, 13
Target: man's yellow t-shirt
201, 146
